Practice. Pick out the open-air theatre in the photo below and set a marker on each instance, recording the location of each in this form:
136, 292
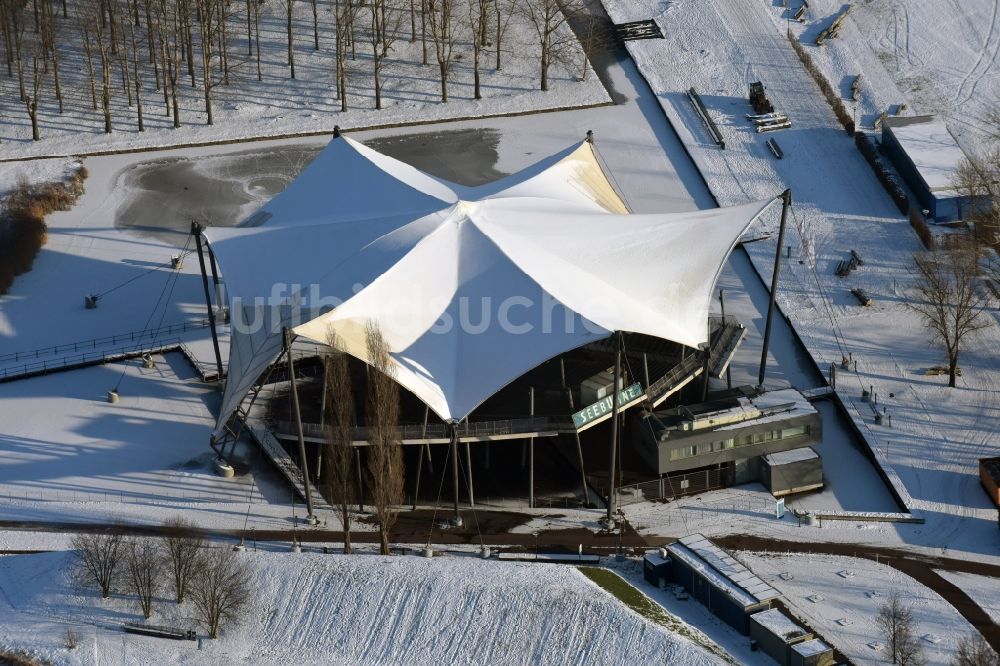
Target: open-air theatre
473, 287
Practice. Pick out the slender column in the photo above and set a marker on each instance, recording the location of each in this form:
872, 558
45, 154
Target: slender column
786, 203
361, 479
215, 276
722, 305
531, 451
454, 467
420, 460
614, 426
303, 460
196, 230
468, 472
576, 434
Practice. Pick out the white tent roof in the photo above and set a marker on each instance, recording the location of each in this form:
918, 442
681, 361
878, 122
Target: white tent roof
471, 287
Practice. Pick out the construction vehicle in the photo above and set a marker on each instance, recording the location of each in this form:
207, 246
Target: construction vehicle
758, 99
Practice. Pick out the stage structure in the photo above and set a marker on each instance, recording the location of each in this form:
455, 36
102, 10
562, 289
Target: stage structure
549, 259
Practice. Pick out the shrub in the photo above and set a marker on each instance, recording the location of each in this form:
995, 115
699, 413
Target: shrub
71, 638
885, 176
836, 103
22, 221
920, 226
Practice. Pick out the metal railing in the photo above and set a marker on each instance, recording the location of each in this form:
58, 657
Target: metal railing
94, 343
440, 430
84, 359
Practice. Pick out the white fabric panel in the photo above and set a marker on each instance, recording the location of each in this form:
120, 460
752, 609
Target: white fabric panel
473, 293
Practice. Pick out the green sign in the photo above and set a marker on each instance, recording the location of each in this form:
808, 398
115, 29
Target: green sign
603, 408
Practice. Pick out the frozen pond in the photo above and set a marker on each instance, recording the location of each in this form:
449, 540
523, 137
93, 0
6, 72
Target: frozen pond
166, 195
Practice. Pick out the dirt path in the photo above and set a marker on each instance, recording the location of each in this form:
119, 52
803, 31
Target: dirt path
919, 567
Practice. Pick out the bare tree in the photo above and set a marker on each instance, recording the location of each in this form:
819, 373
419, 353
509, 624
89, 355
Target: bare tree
973, 650
386, 19
31, 100
346, 11
548, 17
291, 53
220, 589
136, 69
184, 546
145, 569
947, 298
478, 14
503, 10
441, 16
385, 452
337, 457
208, 28
99, 558
978, 180
895, 621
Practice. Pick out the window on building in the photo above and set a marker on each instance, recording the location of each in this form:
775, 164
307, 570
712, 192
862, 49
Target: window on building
794, 431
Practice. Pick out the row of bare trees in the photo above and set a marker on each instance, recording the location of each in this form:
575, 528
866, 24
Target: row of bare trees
215, 579
132, 49
385, 467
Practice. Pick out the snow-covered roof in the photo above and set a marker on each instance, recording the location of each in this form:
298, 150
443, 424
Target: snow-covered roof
931, 147
791, 456
722, 570
360, 237
775, 406
779, 624
811, 648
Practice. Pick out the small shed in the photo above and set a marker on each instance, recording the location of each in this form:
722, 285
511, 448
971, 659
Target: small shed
811, 653
927, 157
723, 585
793, 471
656, 568
776, 633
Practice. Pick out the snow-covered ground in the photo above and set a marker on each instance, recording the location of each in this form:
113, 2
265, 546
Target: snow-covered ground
983, 590
939, 58
848, 592
278, 105
315, 608
937, 434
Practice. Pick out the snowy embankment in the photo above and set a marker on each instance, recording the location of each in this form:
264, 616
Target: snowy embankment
939, 58
839, 597
937, 434
314, 608
280, 105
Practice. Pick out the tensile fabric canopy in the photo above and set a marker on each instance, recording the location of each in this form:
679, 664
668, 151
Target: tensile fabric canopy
470, 287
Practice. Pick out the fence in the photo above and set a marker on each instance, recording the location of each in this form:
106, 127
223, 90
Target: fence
675, 485
94, 343
83, 360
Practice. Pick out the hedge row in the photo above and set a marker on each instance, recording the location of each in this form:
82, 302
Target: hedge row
920, 226
885, 176
22, 222
836, 103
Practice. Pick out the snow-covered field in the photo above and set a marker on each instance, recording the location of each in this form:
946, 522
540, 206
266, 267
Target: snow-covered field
279, 105
314, 608
938, 57
847, 593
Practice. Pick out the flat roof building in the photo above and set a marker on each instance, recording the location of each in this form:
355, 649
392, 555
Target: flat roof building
718, 581
730, 435
928, 158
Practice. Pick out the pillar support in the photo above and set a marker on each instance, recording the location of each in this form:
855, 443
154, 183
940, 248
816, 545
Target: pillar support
786, 203
303, 459
614, 427
196, 230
